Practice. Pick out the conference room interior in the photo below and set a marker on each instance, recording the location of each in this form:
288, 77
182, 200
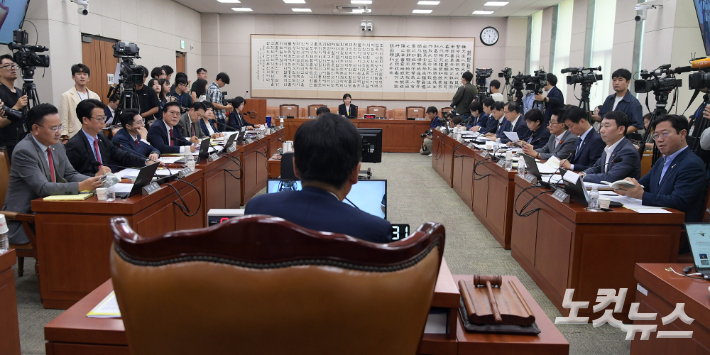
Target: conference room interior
561, 247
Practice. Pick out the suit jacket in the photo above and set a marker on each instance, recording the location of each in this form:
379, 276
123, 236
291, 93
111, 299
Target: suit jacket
67, 111
630, 166
189, 128
124, 140
344, 112
481, 121
319, 210
30, 179
539, 138
557, 101
81, 155
109, 116
236, 120
491, 126
562, 150
463, 98
203, 127
683, 186
158, 138
504, 126
589, 153
521, 128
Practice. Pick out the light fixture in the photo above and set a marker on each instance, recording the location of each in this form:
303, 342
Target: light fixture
428, 3
417, 11
361, 11
369, 26
482, 12
242, 9
300, 9
366, 26
295, 1
361, 2
230, 1
496, 3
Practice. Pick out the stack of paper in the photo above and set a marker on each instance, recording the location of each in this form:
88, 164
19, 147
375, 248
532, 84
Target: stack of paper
108, 308
170, 159
634, 204
78, 197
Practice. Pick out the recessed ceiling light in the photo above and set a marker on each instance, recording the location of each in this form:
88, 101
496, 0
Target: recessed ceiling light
416, 11
496, 3
361, 2
429, 3
300, 9
361, 11
481, 12
242, 9
295, 1
230, 1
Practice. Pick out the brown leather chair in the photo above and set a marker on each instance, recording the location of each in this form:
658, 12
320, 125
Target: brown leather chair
262, 285
399, 114
313, 108
378, 111
27, 250
415, 111
289, 110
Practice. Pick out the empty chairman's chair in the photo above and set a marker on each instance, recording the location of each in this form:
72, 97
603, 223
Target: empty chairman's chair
378, 111
262, 285
313, 108
414, 112
289, 110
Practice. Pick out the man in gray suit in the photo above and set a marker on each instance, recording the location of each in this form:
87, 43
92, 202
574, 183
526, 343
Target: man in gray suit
190, 121
561, 142
40, 168
613, 129
464, 95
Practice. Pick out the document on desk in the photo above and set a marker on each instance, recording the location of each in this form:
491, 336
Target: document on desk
123, 187
170, 160
545, 169
636, 204
107, 308
133, 173
513, 136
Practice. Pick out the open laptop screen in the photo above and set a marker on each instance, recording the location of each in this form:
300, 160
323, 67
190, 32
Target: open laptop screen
699, 239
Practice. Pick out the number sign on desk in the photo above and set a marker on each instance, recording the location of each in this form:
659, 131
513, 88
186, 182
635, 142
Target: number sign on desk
378, 67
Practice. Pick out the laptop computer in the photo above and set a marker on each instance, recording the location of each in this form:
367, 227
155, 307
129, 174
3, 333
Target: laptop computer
145, 176
231, 140
204, 148
699, 239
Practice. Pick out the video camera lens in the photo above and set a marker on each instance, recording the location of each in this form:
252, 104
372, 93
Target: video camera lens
12, 114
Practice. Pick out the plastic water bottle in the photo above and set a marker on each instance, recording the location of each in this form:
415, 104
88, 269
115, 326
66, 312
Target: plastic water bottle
594, 199
190, 161
4, 241
521, 167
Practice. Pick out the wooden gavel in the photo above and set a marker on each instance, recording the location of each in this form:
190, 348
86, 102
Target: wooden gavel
489, 282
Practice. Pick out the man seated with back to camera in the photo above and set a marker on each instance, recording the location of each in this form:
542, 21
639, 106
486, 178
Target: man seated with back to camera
132, 136
321, 110
89, 151
677, 180
433, 115
623, 100
539, 135
495, 91
589, 145
560, 144
612, 132
327, 154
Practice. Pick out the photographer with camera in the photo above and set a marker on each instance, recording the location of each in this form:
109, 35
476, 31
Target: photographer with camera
433, 114
214, 95
180, 93
495, 91
464, 95
623, 101
554, 99
71, 98
11, 130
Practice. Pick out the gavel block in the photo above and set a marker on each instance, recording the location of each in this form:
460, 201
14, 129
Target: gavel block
489, 300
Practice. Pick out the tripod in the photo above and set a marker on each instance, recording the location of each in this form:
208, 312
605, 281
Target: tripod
128, 98
660, 110
30, 89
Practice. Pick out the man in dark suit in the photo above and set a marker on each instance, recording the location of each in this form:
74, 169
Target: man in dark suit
129, 138
517, 123
560, 143
40, 168
623, 100
554, 99
464, 95
110, 110
327, 160
589, 145
612, 131
678, 179
496, 121
347, 109
539, 135
89, 151
491, 122
165, 134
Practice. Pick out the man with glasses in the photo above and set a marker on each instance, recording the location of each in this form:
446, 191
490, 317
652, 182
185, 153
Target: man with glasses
560, 144
165, 134
41, 168
517, 124
131, 137
71, 98
190, 121
90, 152
678, 179
11, 130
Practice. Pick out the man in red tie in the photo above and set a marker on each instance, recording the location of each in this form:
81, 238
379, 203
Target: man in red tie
40, 168
165, 134
132, 136
90, 152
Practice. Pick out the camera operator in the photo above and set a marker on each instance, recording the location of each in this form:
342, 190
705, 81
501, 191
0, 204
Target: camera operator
147, 98
464, 95
622, 101
11, 131
433, 114
554, 99
495, 91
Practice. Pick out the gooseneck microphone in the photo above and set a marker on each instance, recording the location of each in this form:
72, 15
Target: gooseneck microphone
613, 161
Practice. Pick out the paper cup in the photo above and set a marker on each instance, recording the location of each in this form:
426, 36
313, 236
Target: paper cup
604, 202
101, 193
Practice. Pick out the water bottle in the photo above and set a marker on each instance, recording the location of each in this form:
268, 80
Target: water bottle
268, 121
521, 167
594, 200
281, 122
4, 241
190, 161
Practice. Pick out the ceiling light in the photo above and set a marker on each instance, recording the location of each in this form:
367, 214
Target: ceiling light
361, 11
428, 3
242, 9
295, 1
496, 3
481, 12
230, 1
300, 9
361, 2
416, 11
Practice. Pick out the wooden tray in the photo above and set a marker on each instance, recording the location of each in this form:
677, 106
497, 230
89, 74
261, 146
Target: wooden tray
507, 303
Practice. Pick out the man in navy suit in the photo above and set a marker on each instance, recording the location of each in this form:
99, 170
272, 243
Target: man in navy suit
517, 123
539, 135
492, 123
110, 110
478, 118
165, 134
129, 138
554, 100
623, 100
327, 154
678, 179
589, 145
497, 122
612, 131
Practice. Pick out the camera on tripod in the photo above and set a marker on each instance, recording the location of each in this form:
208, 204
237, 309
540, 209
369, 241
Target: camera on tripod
130, 74
659, 80
506, 73
482, 75
25, 56
699, 79
584, 76
536, 82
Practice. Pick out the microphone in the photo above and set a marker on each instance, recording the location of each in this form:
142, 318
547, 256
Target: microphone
615, 160
181, 140
700, 63
226, 127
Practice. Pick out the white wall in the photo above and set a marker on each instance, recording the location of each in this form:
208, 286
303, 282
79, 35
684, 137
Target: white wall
226, 43
515, 43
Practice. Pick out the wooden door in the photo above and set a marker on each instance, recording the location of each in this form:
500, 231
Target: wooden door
179, 62
97, 54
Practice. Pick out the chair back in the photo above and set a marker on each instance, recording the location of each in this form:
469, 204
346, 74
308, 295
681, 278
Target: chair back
289, 110
415, 111
273, 111
287, 167
399, 114
4, 174
262, 285
378, 111
313, 108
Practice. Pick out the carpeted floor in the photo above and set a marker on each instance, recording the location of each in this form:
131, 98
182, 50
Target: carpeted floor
416, 194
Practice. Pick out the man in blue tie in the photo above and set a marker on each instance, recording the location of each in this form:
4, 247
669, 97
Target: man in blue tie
678, 179
589, 146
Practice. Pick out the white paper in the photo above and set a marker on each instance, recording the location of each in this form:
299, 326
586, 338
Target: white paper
553, 162
127, 173
169, 160
123, 187
513, 136
589, 185
545, 169
571, 177
107, 308
649, 210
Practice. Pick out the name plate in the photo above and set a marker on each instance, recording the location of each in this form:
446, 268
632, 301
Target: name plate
184, 172
151, 188
231, 149
484, 154
561, 196
213, 157
501, 163
530, 178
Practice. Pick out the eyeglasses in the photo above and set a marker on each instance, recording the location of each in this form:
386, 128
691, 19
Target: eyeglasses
10, 66
53, 129
551, 123
656, 136
100, 118
138, 123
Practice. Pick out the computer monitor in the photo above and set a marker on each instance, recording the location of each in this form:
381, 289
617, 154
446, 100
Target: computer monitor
371, 144
12, 17
699, 240
702, 9
367, 195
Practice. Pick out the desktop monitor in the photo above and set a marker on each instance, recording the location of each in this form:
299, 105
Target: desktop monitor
371, 144
699, 240
367, 195
12, 16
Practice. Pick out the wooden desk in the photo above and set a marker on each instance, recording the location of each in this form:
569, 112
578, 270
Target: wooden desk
258, 106
664, 290
274, 166
9, 327
446, 295
462, 179
563, 246
442, 157
549, 342
74, 237
253, 158
493, 200
221, 186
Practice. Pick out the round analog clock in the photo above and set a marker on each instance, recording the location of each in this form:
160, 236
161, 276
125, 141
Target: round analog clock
489, 36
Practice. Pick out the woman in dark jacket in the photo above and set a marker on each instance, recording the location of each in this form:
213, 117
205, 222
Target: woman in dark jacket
346, 108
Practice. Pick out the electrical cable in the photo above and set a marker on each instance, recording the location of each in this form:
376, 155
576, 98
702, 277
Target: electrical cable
184, 207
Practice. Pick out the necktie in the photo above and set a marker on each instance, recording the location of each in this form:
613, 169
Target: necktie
192, 130
98, 152
137, 141
51, 164
579, 144
171, 137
